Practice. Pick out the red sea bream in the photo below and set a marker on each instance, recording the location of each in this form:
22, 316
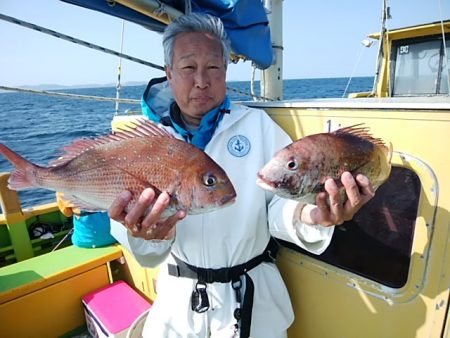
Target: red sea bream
93, 172
300, 170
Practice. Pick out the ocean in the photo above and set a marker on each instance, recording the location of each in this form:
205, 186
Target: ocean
37, 126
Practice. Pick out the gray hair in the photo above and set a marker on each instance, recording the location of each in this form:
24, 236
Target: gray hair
191, 23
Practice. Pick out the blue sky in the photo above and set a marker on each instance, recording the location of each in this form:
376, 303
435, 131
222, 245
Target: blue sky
321, 38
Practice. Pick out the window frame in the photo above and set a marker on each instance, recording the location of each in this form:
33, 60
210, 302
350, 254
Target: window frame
396, 44
421, 241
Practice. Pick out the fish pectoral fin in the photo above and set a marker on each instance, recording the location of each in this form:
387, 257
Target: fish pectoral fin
76, 202
141, 180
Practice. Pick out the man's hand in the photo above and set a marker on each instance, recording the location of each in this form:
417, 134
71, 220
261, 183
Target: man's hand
143, 224
330, 210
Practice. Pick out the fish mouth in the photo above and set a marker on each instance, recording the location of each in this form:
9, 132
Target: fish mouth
226, 200
264, 184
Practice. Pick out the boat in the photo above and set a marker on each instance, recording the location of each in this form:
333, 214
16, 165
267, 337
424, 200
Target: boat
386, 273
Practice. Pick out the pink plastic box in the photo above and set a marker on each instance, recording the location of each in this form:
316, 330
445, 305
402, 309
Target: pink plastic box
113, 309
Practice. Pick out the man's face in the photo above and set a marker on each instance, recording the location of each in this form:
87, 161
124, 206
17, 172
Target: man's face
198, 75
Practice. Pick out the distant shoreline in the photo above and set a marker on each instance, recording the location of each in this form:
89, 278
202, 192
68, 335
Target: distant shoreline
130, 84
64, 87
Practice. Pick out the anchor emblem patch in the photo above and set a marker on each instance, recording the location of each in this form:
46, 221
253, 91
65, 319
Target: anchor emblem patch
239, 146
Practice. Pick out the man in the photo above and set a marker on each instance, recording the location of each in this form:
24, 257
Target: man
220, 281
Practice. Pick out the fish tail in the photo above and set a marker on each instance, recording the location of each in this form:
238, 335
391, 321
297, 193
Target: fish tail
21, 177
385, 165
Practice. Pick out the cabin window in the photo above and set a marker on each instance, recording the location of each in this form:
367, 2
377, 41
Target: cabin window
420, 67
377, 243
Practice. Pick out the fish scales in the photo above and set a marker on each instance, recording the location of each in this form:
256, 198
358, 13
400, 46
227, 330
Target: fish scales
92, 173
299, 171
332, 154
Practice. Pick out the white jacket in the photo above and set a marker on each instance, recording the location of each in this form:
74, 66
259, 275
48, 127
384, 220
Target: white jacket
244, 141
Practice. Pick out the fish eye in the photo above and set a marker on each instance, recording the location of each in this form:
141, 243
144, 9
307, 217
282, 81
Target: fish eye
292, 164
209, 180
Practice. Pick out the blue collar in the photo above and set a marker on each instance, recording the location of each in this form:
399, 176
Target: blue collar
201, 137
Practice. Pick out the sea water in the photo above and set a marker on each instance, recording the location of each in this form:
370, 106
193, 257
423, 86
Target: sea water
37, 126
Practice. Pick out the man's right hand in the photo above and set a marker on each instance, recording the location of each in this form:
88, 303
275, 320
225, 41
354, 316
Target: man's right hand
143, 224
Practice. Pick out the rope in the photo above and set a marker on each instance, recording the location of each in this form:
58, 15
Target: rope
252, 81
100, 98
187, 7
96, 47
119, 71
63, 239
248, 94
77, 41
73, 96
358, 60
252, 89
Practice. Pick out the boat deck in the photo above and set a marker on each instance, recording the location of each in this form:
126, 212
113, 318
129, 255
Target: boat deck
396, 103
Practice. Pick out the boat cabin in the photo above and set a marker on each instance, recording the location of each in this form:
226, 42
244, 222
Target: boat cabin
386, 273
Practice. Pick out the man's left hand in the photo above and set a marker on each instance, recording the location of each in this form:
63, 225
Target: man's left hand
330, 210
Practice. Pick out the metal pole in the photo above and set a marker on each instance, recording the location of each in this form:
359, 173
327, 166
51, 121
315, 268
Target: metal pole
272, 77
381, 51
154, 9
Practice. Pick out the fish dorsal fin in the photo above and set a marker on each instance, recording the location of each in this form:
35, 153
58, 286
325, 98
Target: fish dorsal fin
141, 128
360, 131
133, 129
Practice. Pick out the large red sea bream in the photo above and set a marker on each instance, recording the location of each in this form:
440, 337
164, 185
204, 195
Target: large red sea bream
93, 172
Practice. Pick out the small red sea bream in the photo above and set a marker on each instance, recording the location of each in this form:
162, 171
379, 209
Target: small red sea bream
93, 172
299, 170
